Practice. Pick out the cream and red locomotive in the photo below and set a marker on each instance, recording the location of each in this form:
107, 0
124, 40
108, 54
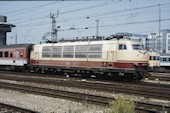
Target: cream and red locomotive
118, 58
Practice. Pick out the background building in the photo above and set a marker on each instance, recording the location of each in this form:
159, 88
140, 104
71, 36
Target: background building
159, 44
4, 28
153, 42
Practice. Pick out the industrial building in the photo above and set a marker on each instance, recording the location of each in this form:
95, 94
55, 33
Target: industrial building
4, 28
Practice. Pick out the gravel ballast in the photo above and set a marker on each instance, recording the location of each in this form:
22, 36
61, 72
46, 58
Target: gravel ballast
45, 104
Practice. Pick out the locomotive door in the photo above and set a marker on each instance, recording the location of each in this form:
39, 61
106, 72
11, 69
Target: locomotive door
110, 56
37, 53
111, 53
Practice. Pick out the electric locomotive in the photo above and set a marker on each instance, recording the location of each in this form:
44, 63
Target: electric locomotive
119, 58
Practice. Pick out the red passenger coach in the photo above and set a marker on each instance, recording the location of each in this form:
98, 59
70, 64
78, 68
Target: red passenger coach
14, 56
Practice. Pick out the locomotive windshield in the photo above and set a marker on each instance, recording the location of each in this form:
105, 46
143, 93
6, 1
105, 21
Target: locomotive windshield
137, 47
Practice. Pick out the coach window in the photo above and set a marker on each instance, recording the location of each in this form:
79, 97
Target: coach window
164, 59
11, 55
6, 54
17, 54
1, 54
21, 55
122, 47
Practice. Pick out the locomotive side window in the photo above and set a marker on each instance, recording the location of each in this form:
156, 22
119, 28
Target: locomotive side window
68, 51
6, 54
1, 54
46, 52
81, 51
47, 48
44, 55
95, 51
81, 48
122, 47
95, 47
56, 51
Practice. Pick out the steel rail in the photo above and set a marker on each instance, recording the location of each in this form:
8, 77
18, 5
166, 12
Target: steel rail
145, 91
80, 97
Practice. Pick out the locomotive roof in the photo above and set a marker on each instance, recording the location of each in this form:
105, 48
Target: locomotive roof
90, 42
18, 46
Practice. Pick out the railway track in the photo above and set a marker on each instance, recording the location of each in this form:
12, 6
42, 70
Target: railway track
141, 107
160, 76
153, 91
5, 108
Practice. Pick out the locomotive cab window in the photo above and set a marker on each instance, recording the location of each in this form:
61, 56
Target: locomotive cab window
122, 47
150, 57
154, 57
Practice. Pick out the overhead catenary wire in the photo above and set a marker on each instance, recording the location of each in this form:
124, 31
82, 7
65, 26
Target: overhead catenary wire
30, 8
103, 14
66, 12
140, 22
40, 13
39, 22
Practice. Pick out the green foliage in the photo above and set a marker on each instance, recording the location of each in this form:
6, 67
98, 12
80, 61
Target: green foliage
122, 105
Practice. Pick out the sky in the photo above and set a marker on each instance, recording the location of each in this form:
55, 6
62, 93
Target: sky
78, 18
